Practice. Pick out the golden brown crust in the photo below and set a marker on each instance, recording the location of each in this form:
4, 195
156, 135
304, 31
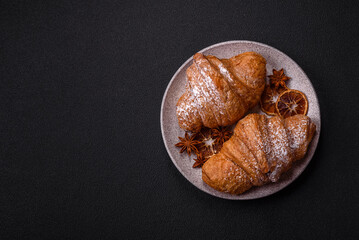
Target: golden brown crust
224, 175
301, 131
254, 135
220, 91
239, 153
260, 150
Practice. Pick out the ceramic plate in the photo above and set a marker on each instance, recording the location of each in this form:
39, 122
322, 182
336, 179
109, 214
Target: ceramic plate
176, 87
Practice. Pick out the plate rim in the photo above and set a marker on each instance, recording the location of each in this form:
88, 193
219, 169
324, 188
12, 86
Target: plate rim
318, 130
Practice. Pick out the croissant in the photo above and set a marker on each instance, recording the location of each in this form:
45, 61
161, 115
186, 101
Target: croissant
260, 150
220, 91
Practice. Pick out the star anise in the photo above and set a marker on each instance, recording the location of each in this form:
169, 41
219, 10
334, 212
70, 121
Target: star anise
221, 135
278, 78
188, 143
200, 160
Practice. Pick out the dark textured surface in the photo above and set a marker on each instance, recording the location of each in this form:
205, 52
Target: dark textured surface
81, 153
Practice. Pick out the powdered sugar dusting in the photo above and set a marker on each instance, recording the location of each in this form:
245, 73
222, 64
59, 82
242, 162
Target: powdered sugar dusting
281, 153
170, 128
211, 97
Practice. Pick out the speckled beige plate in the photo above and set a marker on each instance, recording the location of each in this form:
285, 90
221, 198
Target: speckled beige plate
170, 129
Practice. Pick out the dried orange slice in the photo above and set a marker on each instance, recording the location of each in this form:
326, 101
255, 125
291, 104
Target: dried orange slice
291, 102
269, 99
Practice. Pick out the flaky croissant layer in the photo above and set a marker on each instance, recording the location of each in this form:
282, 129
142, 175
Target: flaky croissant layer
260, 150
220, 91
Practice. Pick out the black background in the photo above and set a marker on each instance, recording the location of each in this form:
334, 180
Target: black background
82, 155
